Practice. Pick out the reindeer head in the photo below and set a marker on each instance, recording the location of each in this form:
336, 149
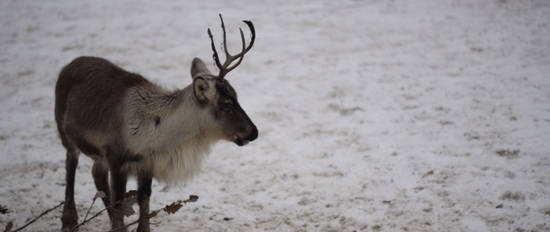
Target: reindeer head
215, 93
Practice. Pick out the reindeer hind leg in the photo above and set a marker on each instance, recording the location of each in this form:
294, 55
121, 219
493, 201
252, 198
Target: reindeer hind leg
70, 216
118, 188
100, 172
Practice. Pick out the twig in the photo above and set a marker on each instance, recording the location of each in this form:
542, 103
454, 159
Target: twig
99, 194
39, 216
151, 215
91, 218
89, 208
128, 194
170, 209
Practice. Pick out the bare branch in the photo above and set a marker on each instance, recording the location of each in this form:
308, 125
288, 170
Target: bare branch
170, 209
99, 194
127, 195
39, 216
75, 228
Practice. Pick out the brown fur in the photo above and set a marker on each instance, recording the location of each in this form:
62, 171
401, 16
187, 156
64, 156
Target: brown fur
100, 86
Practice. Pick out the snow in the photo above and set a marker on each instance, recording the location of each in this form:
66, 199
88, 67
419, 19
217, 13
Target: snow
373, 115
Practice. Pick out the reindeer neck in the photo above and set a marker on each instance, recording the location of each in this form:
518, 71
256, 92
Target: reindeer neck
162, 120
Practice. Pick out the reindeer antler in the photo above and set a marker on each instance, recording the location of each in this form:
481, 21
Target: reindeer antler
226, 67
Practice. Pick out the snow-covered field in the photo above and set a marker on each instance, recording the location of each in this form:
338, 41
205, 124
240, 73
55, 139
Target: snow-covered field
382, 115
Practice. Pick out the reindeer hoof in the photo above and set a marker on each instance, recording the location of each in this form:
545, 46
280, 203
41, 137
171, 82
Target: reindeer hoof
69, 220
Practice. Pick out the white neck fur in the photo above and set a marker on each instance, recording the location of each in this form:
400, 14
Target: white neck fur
170, 132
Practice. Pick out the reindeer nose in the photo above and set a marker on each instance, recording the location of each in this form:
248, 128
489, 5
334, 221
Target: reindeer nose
247, 137
253, 135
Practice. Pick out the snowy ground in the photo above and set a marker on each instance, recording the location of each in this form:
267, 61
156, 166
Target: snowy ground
383, 115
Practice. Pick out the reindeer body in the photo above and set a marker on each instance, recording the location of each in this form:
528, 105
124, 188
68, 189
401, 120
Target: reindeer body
152, 128
132, 127
129, 126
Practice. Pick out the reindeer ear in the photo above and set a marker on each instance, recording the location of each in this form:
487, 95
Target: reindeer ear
197, 66
200, 89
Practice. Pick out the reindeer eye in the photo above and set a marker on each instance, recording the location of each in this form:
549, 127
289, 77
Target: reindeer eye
227, 105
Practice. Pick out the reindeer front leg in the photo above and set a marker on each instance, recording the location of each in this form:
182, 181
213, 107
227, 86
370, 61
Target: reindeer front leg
144, 193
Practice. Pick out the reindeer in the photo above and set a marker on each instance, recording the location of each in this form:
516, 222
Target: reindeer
130, 126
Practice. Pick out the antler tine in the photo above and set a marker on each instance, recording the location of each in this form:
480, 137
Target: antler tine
226, 67
252, 37
252, 32
240, 55
224, 40
215, 55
